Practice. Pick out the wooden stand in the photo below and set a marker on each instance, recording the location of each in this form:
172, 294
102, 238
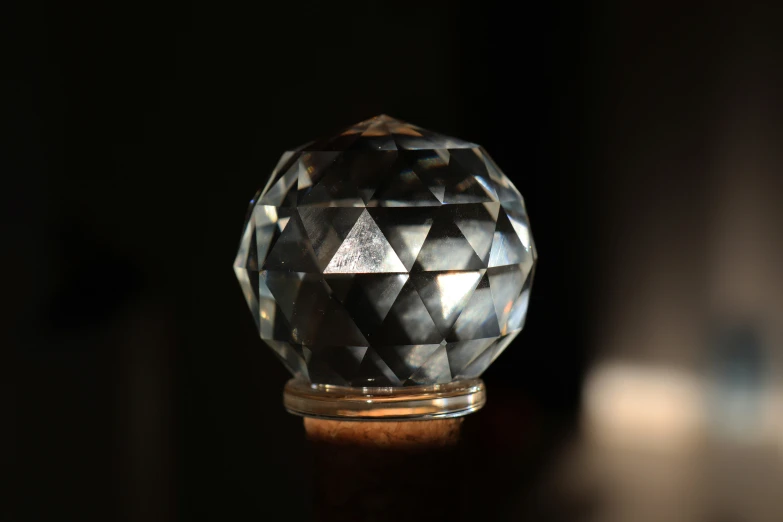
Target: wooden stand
390, 470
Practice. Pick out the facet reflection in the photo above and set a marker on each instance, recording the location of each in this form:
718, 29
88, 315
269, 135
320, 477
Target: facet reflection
387, 255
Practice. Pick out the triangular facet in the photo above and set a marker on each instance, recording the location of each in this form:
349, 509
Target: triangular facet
445, 294
463, 187
376, 137
463, 353
252, 252
283, 191
381, 133
366, 297
271, 319
431, 167
365, 250
401, 187
469, 162
246, 280
405, 360
340, 286
478, 320
304, 181
479, 363
374, 372
340, 142
446, 247
366, 193
408, 138
507, 249
315, 317
516, 319
270, 323
435, 370
439, 191
408, 321
335, 364
333, 189
327, 227
246, 246
506, 283
448, 178
282, 288
364, 169
267, 222
405, 228
518, 219
282, 222
291, 355
312, 167
292, 251
441, 141
503, 343
287, 159
505, 190
477, 224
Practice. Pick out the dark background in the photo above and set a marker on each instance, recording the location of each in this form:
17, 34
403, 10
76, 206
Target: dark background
137, 384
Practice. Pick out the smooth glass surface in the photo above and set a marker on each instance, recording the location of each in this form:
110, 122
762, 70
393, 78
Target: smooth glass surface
327, 401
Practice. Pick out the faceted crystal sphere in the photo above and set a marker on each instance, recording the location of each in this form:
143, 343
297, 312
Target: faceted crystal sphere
387, 255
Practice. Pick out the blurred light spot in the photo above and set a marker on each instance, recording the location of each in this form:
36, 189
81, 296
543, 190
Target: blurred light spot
642, 406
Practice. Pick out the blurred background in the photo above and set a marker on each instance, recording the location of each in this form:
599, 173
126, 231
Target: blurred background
646, 138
